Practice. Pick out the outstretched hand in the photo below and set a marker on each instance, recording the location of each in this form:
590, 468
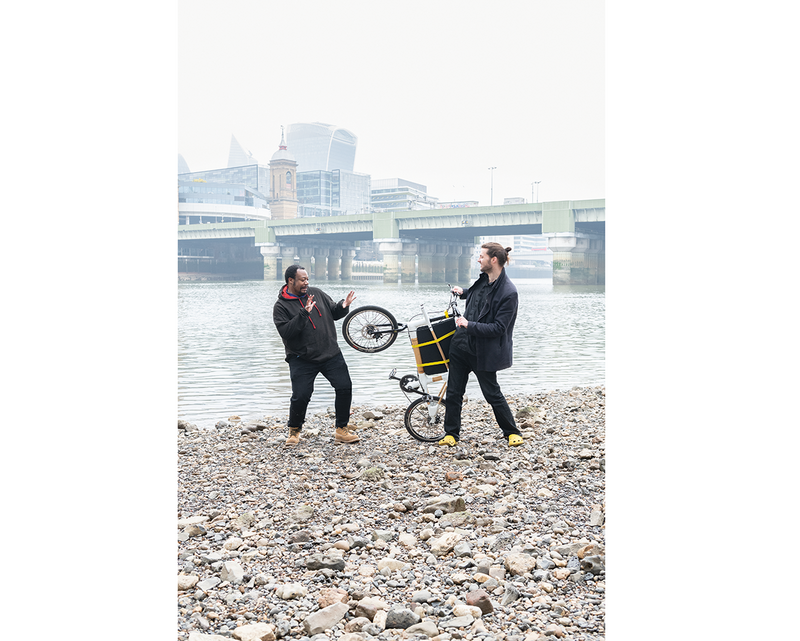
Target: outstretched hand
310, 303
349, 299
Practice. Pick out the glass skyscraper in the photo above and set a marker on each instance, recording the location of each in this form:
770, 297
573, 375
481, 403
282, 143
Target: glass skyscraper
321, 147
332, 193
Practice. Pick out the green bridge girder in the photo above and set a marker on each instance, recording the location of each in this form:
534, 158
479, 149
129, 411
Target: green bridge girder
457, 224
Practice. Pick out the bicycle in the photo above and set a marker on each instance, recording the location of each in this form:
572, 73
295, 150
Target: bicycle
372, 329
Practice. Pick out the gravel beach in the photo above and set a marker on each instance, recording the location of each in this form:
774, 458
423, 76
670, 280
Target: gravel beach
391, 538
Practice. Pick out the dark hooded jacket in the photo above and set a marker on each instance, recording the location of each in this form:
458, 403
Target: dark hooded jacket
312, 336
494, 324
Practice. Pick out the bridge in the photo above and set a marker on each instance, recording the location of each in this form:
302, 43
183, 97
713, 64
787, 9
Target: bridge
433, 245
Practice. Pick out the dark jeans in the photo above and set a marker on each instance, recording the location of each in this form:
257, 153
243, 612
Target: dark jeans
461, 364
303, 374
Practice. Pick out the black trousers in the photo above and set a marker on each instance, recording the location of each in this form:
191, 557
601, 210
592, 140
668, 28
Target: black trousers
303, 374
461, 364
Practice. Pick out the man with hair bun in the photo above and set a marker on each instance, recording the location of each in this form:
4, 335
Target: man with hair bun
483, 344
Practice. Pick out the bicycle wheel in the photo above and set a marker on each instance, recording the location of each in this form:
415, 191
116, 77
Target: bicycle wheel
369, 329
421, 424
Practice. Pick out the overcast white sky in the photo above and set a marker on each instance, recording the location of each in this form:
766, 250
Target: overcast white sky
436, 92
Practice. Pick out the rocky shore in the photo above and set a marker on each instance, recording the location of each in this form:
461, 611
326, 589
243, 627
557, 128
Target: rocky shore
391, 538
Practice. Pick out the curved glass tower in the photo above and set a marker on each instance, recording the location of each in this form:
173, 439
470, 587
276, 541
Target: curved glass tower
321, 147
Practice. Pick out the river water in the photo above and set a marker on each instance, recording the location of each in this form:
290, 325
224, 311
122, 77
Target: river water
230, 357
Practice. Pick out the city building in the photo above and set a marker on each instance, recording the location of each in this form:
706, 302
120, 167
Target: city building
253, 176
283, 183
332, 193
396, 194
200, 202
318, 146
238, 155
513, 201
183, 168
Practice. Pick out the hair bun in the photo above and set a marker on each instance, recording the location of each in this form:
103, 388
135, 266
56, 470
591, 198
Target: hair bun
508, 249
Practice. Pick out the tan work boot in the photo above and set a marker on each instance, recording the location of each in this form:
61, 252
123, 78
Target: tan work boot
294, 436
344, 435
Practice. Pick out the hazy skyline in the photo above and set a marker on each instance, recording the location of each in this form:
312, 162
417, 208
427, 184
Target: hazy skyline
435, 92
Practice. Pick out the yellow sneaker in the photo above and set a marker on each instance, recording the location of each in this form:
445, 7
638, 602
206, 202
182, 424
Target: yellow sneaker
448, 440
515, 439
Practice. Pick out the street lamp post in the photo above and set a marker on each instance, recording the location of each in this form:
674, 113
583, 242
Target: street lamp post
537, 189
491, 193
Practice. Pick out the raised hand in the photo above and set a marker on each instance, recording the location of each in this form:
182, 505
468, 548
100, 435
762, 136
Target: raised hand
349, 299
310, 303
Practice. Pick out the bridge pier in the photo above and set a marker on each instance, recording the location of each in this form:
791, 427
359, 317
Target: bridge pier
287, 257
464, 265
391, 256
347, 263
335, 264
425, 265
320, 263
271, 254
305, 254
451, 264
408, 263
438, 267
576, 258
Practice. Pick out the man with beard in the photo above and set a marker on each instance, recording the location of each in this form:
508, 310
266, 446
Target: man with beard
483, 344
304, 317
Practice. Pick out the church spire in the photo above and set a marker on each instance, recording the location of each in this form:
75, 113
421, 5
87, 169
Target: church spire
283, 144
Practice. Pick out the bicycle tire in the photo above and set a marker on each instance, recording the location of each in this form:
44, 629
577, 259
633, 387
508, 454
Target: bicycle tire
418, 419
369, 329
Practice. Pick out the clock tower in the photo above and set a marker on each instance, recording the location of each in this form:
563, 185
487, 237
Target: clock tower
283, 183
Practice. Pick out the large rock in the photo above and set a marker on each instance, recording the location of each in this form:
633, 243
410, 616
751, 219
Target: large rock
206, 584
369, 606
427, 627
324, 619
594, 564
457, 622
401, 618
519, 564
445, 543
199, 636
303, 513
357, 624
480, 599
187, 581
446, 504
392, 564
457, 519
232, 571
329, 596
325, 562
255, 632
291, 591
233, 543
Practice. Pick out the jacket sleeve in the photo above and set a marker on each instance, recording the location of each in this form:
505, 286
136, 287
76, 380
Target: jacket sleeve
337, 310
289, 325
506, 311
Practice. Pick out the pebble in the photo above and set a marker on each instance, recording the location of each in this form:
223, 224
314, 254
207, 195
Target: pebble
383, 537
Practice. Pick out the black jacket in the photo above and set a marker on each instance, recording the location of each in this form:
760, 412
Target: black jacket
312, 336
494, 324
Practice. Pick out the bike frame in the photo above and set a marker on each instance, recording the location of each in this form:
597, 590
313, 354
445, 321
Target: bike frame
426, 382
